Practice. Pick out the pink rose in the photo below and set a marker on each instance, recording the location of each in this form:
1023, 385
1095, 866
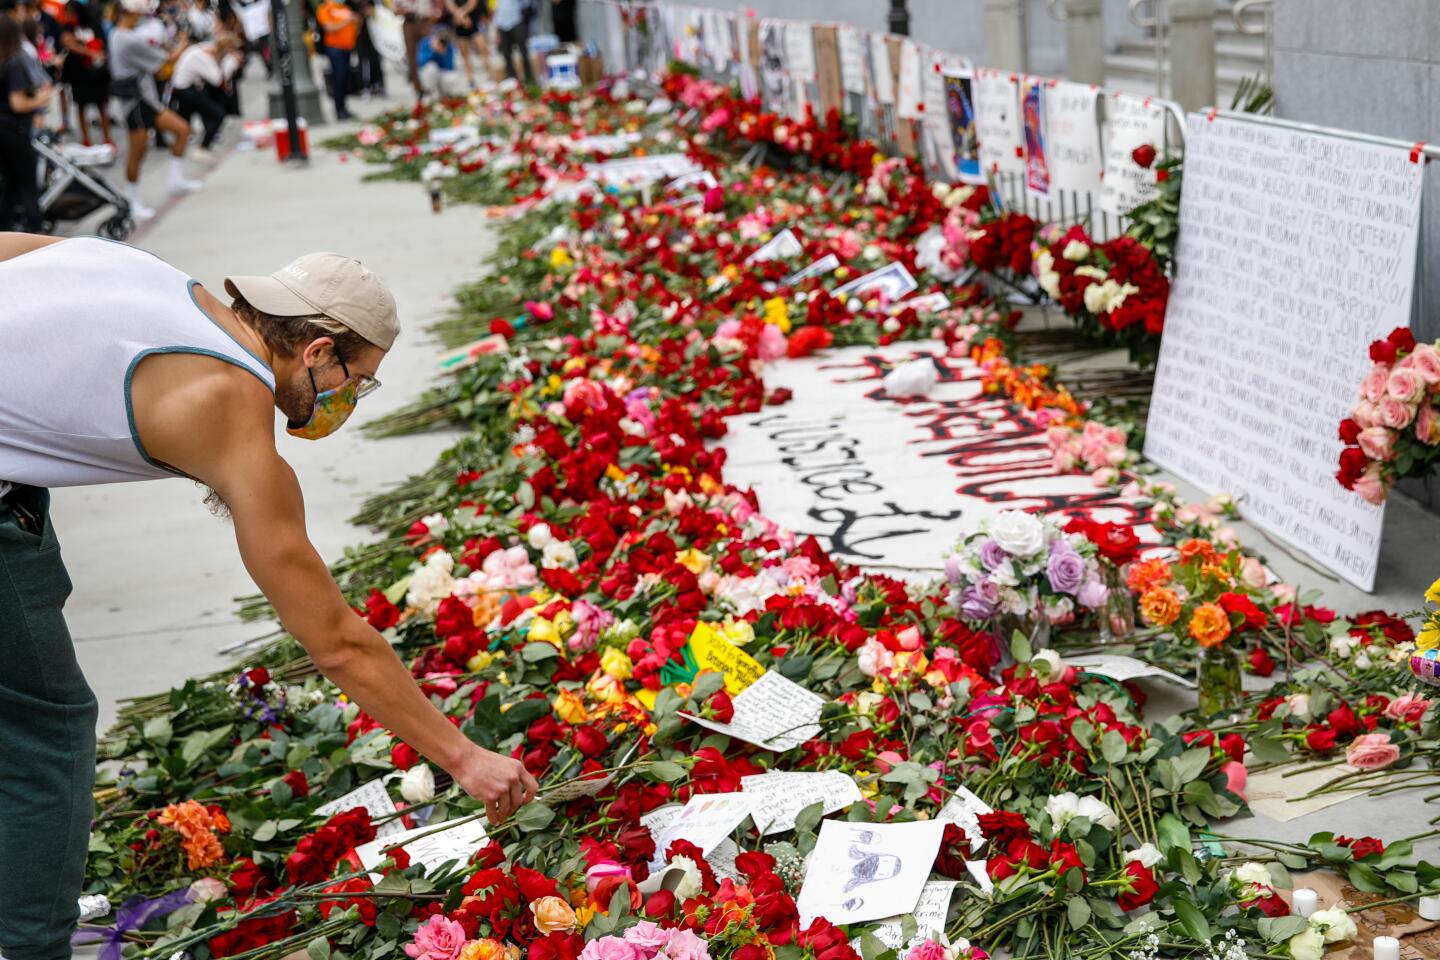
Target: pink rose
926, 950
1235, 777
1377, 443
1425, 361
685, 945
604, 871
610, 948
438, 938
1252, 573
772, 343
1371, 487
886, 760
1372, 388
1427, 425
1365, 414
1403, 385
1394, 414
648, 937
977, 734
1372, 751
1408, 708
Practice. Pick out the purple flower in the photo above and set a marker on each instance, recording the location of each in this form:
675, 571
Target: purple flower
1065, 568
1092, 594
974, 604
992, 554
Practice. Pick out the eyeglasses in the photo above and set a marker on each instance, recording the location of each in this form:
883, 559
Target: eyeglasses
364, 383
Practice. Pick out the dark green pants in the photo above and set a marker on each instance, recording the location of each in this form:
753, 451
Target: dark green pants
47, 741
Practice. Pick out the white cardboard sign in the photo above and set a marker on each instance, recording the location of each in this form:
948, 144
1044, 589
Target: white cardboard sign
1296, 250
375, 798
433, 850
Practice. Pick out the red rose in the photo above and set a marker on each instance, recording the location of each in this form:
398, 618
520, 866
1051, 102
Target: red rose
1272, 906
1320, 739
954, 851
1402, 339
807, 340
1003, 826
1343, 720
1143, 155
1382, 351
556, 946
1116, 542
660, 904
1064, 856
502, 327
719, 707
1142, 887
1234, 746
297, 783
1349, 431
1261, 662
1362, 847
404, 756
380, 612
258, 676
1240, 605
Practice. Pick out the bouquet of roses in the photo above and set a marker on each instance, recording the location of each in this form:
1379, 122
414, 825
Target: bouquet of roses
1394, 431
1019, 564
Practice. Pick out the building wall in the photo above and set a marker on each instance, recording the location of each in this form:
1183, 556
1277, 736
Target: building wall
1371, 66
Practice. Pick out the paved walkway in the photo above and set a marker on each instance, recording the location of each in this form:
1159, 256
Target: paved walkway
155, 574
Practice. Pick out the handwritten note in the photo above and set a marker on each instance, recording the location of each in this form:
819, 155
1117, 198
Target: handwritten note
997, 123
779, 796
1124, 668
964, 809
800, 51
713, 652
1130, 122
1073, 132
773, 712
908, 98
780, 247
375, 798
705, 820
882, 80
852, 58
931, 912
826, 264
867, 871
1296, 250
457, 843
891, 281
635, 171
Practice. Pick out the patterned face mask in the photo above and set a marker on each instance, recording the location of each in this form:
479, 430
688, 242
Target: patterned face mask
332, 408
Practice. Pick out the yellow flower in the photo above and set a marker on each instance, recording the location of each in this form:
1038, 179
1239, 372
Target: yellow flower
777, 313
738, 632
584, 915
570, 707
480, 661
1429, 637
485, 949
543, 631
693, 560
1433, 594
606, 688
615, 473
564, 623
553, 915
560, 257
616, 664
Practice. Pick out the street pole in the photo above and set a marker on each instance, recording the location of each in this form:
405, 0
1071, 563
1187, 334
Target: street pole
285, 70
899, 18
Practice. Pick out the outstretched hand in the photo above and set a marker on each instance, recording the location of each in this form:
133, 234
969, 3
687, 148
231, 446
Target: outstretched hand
501, 783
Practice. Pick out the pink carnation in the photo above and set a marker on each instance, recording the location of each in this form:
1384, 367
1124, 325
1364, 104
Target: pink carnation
438, 938
611, 948
926, 950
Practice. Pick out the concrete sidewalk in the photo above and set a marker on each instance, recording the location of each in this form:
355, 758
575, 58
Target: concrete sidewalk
155, 574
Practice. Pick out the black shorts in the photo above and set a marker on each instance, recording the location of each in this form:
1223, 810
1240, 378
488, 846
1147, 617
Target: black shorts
478, 22
140, 116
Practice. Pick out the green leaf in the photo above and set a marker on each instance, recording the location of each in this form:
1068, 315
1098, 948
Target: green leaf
1113, 747
264, 832
1191, 763
537, 651
809, 817
871, 947
1173, 834
1280, 929
1192, 920
1020, 648
1269, 750
533, 817
158, 731
318, 949
525, 495
281, 793
667, 771
1078, 911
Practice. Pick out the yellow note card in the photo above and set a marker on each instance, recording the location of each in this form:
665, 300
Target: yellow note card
713, 652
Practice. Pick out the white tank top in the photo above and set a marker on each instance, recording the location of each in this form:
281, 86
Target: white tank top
76, 318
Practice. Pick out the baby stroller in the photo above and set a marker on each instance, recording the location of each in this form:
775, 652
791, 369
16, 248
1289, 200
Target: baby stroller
71, 187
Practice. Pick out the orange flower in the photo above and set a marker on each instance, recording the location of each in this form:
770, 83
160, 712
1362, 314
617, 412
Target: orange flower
1160, 606
1203, 549
1210, 624
1146, 575
194, 824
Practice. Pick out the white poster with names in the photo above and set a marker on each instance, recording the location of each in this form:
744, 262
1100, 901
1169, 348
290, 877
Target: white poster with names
800, 51
867, 871
1130, 122
997, 123
705, 820
930, 913
852, 58
1296, 250
1073, 128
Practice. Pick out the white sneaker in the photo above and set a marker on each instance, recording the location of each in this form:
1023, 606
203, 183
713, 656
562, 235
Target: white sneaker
183, 185
201, 155
140, 213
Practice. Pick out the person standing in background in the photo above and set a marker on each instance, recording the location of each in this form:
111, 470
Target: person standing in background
20, 97
372, 66
83, 37
198, 85
136, 55
419, 19
339, 33
512, 19
471, 22
562, 16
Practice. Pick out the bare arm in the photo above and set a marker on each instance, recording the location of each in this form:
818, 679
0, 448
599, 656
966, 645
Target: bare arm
18, 244
22, 102
238, 459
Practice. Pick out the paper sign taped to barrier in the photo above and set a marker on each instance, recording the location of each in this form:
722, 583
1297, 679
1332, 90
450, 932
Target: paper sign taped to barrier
908, 98
997, 123
375, 798
714, 653
780, 247
773, 712
852, 58
867, 871
800, 51
1130, 122
964, 809
457, 843
930, 913
882, 79
1124, 668
780, 796
1074, 137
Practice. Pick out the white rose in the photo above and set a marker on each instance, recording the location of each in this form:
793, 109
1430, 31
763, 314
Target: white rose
1146, 855
1062, 808
1334, 924
1307, 945
1047, 664
1299, 704
539, 536
436, 524
418, 784
1096, 811
691, 881
1020, 534
558, 553
1075, 251
1096, 299
1253, 874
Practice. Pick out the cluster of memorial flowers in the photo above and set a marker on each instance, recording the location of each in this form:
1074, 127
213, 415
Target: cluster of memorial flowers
575, 584
1394, 430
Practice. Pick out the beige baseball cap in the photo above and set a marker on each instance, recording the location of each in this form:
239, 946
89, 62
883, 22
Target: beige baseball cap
328, 284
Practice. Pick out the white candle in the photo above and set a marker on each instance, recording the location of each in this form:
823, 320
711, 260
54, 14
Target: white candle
1387, 948
1306, 901
1430, 908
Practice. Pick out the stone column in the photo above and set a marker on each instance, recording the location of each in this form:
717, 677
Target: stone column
1084, 41
1005, 35
1192, 53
